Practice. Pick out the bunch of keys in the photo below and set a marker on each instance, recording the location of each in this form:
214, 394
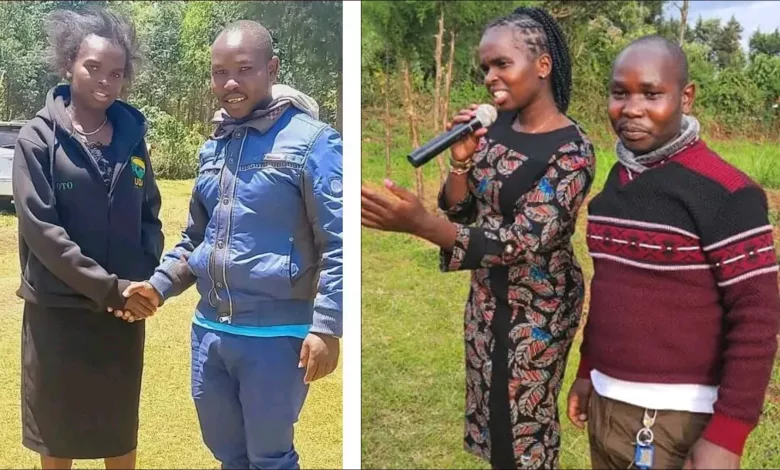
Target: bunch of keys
645, 450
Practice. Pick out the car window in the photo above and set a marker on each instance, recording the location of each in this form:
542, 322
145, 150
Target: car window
8, 137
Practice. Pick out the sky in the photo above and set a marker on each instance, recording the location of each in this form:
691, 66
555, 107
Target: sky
752, 15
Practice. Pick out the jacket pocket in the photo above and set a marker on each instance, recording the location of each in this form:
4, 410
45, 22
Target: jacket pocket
199, 264
282, 160
293, 265
43, 281
270, 161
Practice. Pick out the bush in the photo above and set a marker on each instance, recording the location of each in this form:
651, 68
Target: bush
736, 97
174, 146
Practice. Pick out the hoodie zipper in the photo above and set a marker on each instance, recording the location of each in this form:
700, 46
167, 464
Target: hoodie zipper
91, 161
110, 191
124, 165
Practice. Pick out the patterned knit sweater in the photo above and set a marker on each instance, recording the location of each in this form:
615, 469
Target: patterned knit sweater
685, 285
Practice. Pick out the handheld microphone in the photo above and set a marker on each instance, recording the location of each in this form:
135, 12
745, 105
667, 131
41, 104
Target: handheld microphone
486, 116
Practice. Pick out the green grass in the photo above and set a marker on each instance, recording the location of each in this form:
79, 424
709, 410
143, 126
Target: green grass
413, 383
169, 435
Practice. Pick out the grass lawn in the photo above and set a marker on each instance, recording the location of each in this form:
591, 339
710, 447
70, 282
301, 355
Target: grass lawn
412, 321
169, 435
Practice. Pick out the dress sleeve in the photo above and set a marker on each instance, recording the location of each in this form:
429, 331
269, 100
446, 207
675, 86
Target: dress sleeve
465, 211
544, 217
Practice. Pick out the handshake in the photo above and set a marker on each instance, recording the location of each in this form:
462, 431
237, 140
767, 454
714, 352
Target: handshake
142, 302
319, 353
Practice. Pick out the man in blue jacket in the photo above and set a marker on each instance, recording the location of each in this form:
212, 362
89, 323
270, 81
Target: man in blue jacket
263, 245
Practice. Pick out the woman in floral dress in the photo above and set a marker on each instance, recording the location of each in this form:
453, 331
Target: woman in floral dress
511, 201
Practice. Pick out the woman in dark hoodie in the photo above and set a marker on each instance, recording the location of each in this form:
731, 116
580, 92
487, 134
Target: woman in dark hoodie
88, 209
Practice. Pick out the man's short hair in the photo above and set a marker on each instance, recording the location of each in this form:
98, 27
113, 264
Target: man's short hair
254, 30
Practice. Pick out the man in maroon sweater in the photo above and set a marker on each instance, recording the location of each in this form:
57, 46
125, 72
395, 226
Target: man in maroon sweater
681, 331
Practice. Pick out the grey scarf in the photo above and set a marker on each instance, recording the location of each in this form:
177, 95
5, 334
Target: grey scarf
261, 119
265, 115
640, 163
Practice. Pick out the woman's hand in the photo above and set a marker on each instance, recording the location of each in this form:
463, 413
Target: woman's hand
465, 148
142, 302
404, 213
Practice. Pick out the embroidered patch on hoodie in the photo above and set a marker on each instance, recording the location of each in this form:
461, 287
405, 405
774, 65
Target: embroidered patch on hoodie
138, 165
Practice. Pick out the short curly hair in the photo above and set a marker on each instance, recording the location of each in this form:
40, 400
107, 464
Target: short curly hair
67, 29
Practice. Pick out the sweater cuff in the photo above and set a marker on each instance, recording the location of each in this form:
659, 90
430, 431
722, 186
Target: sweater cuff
727, 432
326, 322
162, 283
115, 299
583, 372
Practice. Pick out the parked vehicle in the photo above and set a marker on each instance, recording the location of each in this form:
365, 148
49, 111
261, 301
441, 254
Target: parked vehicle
9, 131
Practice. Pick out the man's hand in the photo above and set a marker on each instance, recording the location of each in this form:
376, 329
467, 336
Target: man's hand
142, 302
138, 307
705, 454
579, 396
320, 355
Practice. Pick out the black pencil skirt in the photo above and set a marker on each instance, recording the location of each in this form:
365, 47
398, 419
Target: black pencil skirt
81, 382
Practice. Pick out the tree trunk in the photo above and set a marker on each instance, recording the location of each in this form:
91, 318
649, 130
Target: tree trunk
445, 99
436, 94
340, 107
388, 137
683, 21
5, 97
339, 99
409, 98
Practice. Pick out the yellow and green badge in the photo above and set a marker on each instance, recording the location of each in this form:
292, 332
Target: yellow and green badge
138, 165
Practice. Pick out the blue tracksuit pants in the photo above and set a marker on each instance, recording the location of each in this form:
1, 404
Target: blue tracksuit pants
248, 393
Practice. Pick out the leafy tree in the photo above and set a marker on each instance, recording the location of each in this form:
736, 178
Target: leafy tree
765, 43
727, 48
595, 32
764, 70
173, 82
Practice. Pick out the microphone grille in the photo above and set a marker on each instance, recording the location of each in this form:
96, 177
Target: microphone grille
486, 114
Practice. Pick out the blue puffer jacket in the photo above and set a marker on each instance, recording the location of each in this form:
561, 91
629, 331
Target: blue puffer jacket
264, 235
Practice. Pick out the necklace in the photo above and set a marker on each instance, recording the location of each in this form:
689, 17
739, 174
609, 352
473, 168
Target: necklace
542, 126
105, 120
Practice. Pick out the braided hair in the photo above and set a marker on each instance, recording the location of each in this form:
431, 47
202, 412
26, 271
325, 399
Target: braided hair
539, 31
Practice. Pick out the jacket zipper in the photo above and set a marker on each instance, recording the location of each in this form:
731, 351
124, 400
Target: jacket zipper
91, 161
212, 269
230, 223
110, 191
124, 165
290, 274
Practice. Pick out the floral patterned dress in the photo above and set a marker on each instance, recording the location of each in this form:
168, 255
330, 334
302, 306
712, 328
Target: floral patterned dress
514, 231
105, 160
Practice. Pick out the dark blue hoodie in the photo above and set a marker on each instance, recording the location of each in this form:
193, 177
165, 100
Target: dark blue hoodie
80, 243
